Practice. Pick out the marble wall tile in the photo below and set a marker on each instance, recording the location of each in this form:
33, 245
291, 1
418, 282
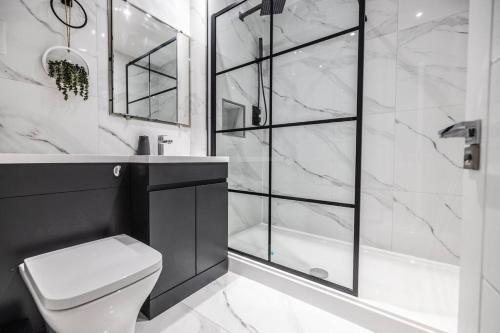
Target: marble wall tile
379, 92
22, 61
315, 161
427, 225
376, 225
175, 13
237, 40
379, 102
423, 162
44, 122
306, 20
316, 82
118, 135
378, 151
412, 13
249, 156
198, 76
432, 62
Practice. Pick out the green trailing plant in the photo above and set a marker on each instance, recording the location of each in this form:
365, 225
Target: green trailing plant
69, 78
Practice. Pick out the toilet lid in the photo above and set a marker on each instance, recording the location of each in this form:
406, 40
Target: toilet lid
79, 274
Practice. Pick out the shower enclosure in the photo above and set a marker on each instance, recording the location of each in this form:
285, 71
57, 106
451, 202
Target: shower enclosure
295, 153
293, 93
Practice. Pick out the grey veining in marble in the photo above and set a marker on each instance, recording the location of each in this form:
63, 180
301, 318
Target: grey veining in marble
315, 161
317, 82
432, 63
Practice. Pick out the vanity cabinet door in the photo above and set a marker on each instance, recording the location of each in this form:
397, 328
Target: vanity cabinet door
172, 223
211, 225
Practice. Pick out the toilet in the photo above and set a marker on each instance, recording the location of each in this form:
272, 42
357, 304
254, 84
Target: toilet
94, 287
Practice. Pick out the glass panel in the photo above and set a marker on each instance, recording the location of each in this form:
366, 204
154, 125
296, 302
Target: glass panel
160, 82
249, 159
248, 224
316, 82
164, 60
238, 40
315, 161
304, 21
241, 87
138, 82
139, 108
313, 239
164, 106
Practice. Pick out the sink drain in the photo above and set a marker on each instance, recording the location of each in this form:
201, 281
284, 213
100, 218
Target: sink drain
319, 273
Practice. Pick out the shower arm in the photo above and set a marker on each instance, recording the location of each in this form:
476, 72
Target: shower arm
249, 12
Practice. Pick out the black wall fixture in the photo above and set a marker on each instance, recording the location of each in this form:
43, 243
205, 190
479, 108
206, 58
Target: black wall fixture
70, 3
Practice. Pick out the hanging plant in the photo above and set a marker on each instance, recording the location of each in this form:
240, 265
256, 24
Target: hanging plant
69, 78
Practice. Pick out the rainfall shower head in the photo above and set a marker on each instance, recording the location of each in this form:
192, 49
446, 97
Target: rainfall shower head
267, 7
276, 5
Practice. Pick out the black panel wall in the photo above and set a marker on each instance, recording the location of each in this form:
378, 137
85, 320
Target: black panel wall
48, 207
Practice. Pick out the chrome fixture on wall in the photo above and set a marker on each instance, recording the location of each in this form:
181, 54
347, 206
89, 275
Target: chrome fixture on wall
162, 140
471, 131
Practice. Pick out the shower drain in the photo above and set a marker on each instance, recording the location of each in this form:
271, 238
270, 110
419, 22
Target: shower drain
319, 273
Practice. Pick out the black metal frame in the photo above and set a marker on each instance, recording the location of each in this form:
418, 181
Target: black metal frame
111, 70
70, 4
150, 70
359, 123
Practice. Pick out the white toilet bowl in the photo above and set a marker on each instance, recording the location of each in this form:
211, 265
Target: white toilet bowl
95, 287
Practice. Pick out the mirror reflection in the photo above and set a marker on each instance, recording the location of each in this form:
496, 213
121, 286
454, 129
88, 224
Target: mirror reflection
150, 66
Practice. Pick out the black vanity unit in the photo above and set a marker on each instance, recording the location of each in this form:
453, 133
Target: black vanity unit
181, 211
178, 205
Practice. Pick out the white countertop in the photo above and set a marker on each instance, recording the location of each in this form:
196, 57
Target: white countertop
77, 158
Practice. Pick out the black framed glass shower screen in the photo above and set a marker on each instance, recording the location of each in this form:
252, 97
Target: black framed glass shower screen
295, 154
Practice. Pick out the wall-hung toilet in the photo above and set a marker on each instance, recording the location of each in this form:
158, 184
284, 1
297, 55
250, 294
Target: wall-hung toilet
93, 287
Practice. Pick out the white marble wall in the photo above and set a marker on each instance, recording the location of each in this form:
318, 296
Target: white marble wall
415, 66
33, 116
198, 19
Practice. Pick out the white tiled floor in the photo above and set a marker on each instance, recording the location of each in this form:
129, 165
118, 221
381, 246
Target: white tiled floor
235, 304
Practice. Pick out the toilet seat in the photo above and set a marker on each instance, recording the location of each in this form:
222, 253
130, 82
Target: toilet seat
76, 275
